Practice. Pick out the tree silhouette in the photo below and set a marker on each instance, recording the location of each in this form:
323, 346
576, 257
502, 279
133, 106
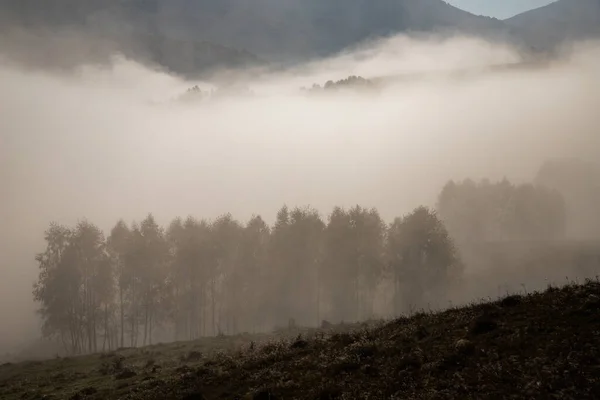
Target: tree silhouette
475, 212
201, 277
354, 258
422, 257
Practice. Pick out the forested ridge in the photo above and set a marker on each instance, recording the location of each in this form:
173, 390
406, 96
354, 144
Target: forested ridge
196, 38
197, 277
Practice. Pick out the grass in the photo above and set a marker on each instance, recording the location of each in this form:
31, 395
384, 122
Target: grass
541, 345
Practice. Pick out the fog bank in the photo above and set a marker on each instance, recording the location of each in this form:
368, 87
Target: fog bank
109, 142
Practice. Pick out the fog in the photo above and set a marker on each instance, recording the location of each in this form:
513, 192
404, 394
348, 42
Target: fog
110, 142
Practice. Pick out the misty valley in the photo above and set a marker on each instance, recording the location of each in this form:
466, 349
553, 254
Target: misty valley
299, 199
145, 283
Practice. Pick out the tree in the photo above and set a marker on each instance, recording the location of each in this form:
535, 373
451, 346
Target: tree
200, 278
354, 243
304, 262
423, 259
92, 264
535, 213
57, 289
295, 256
153, 255
253, 265
75, 286
485, 211
338, 275
225, 275
118, 246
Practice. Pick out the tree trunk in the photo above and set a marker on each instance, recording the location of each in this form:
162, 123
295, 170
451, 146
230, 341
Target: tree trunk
213, 305
202, 307
132, 343
106, 331
122, 315
356, 299
94, 330
64, 341
133, 314
150, 329
318, 295
145, 324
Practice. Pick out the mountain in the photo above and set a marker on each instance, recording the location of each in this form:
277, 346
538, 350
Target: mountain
291, 30
559, 22
191, 37
187, 36
62, 34
69, 48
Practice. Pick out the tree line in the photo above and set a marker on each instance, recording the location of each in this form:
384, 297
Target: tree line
196, 94
499, 211
352, 82
198, 277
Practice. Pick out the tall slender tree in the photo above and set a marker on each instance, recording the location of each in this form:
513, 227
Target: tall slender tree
423, 259
118, 246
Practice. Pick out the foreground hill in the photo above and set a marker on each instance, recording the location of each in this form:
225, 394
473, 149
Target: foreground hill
559, 22
543, 345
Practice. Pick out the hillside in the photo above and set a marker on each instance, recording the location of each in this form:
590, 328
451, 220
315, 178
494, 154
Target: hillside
69, 48
190, 37
543, 345
60, 35
559, 22
283, 31
292, 29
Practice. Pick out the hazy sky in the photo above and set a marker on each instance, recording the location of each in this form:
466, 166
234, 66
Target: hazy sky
499, 8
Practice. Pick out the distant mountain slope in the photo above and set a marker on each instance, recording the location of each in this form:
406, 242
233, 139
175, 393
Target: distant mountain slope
564, 20
190, 37
69, 48
207, 32
64, 34
296, 29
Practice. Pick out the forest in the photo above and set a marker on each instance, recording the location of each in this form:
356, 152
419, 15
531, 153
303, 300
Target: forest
353, 83
144, 283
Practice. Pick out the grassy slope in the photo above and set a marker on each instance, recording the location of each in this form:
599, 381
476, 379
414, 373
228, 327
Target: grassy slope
544, 345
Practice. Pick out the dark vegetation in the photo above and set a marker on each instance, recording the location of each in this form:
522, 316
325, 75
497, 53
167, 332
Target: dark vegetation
540, 346
228, 90
199, 278
355, 83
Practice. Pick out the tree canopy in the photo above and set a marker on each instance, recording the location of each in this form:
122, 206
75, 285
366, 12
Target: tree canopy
199, 277
486, 211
